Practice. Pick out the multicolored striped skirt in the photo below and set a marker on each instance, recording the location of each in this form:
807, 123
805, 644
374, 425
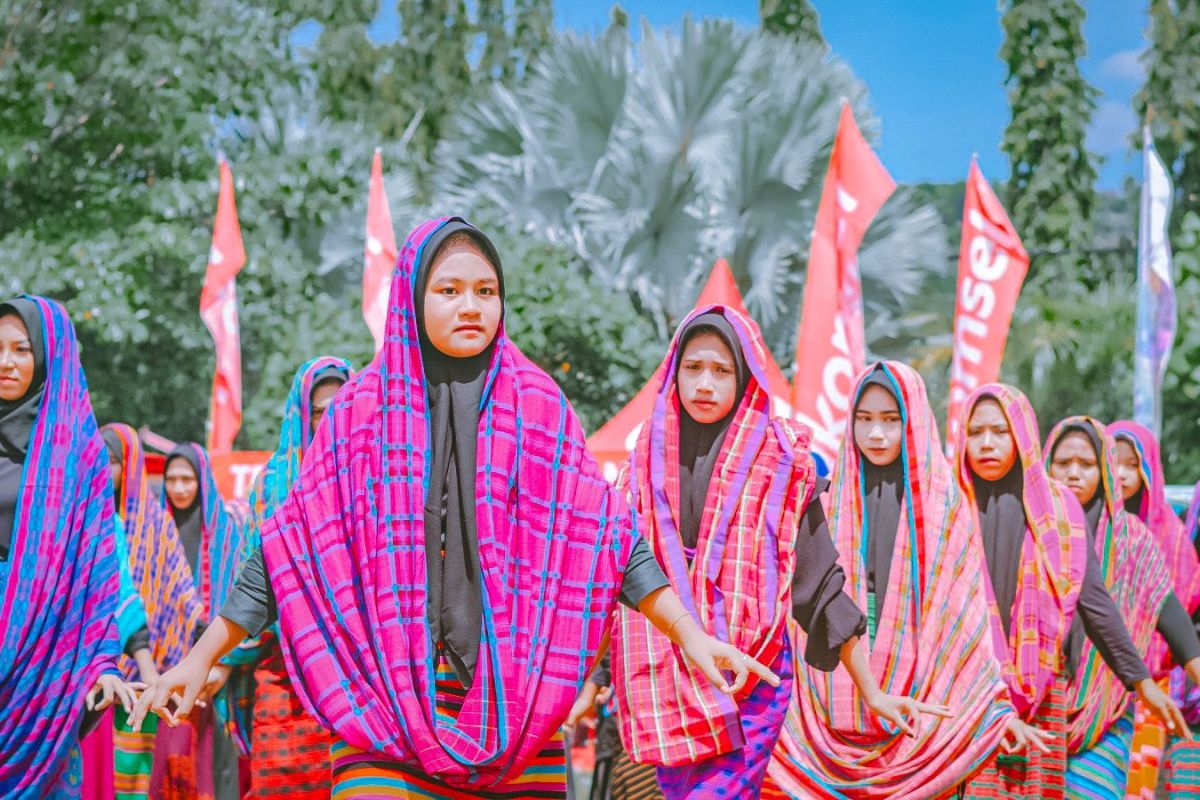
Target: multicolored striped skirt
1181, 768
1145, 753
365, 775
289, 753
632, 781
1101, 772
134, 756
1032, 774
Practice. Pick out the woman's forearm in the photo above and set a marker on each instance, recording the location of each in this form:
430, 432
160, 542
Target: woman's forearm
221, 637
855, 662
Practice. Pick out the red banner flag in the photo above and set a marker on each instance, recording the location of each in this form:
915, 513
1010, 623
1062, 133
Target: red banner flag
379, 258
218, 309
991, 268
831, 345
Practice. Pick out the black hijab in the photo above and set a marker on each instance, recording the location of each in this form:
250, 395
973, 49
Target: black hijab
883, 501
1002, 523
188, 521
1094, 507
17, 418
455, 390
700, 443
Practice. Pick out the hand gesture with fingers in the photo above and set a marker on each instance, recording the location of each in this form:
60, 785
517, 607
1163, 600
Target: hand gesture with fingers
1023, 736
109, 688
180, 686
903, 711
711, 656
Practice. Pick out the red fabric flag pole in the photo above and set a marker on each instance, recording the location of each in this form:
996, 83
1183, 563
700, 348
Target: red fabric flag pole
218, 309
831, 343
379, 257
991, 268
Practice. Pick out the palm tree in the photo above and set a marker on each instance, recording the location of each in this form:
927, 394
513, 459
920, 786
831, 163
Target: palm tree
650, 161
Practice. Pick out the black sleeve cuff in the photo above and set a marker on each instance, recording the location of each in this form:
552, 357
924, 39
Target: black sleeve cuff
643, 575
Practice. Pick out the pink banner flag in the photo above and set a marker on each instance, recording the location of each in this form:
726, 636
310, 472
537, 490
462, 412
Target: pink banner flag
831, 346
379, 257
991, 268
218, 309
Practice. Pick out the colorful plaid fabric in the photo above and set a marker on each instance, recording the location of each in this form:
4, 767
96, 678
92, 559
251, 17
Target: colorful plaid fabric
1031, 774
1182, 769
1166, 528
131, 611
156, 559
738, 588
346, 555
934, 640
1136, 576
270, 490
58, 626
1182, 690
1053, 557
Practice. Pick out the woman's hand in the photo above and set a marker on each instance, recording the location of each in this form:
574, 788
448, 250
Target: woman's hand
109, 688
901, 711
711, 656
181, 684
217, 677
590, 698
1020, 735
1163, 707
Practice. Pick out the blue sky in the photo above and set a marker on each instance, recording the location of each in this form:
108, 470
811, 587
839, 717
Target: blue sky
936, 79
933, 69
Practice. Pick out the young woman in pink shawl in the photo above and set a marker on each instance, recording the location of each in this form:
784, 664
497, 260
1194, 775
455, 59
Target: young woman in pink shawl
726, 495
906, 538
1082, 454
1143, 488
1042, 575
449, 559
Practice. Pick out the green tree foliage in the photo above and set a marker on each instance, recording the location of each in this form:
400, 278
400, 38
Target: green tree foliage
1051, 191
651, 162
1172, 89
791, 18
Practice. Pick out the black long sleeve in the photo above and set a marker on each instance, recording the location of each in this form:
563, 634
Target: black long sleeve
1175, 626
1097, 617
819, 604
251, 603
138, 640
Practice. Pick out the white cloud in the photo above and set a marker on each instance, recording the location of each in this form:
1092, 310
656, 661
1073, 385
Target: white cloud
1111, 127
1124, 65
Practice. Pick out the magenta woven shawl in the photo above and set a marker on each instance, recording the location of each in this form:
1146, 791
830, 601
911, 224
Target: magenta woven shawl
58, 625
1053, 557
346, 555
1168, 531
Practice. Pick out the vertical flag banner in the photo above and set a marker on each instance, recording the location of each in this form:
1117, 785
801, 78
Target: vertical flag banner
379, 257
1156, 290
831, 346
218, 309
992, 264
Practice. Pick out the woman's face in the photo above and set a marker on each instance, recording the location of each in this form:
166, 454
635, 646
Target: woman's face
182, 484
1076, 464
322, 397
707, 378
991, 449
1128, 468
462, 302
878, 426
16, 358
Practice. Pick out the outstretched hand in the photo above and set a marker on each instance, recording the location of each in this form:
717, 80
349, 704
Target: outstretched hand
180, 685
1022, 736
902, 711
711, 655
1164, 708
109, 688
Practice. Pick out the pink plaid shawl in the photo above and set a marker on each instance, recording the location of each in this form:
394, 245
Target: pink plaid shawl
346, 555
1053, 557
1168, 531
933, 642
739, 584
1136, 576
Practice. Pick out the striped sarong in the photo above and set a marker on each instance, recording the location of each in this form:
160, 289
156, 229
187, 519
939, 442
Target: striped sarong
1182, 768
1100, 772
1032, 775
633, 781
134, 756
363, 775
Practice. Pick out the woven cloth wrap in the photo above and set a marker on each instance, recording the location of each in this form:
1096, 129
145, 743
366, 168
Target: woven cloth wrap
934, 641
58, 625
156, 559
1166, 528
346, 556
739, 585
1053, 557
1136, 576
